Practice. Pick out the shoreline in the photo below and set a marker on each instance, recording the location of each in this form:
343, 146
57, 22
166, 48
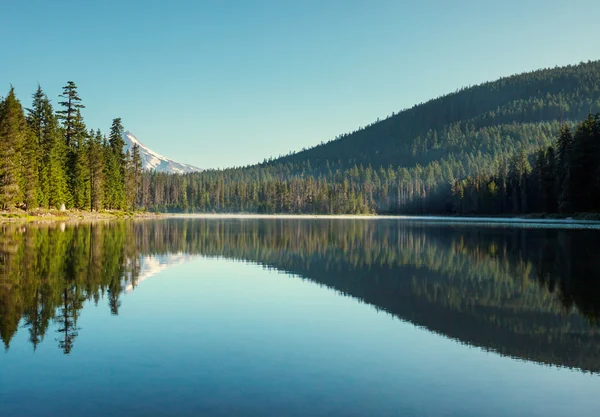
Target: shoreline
55, 216
422, 218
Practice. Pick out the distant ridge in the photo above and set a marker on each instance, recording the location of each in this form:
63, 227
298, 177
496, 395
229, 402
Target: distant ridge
153, 161
471, 125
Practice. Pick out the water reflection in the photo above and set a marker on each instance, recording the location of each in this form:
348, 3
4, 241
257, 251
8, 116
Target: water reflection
528, 293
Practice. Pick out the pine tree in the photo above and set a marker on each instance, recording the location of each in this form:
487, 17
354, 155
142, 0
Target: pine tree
117, 143
97, 169
550, 181
583, 165
52, 178
596, 174
13, 136
564, 146
36, 118
130, 188
117, 166
137, 175
75, 136
113, 182
29, 170
70, 114
79, 178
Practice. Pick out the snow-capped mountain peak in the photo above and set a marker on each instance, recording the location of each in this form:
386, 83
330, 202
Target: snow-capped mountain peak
153, 161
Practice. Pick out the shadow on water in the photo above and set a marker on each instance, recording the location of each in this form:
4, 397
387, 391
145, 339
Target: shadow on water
531, 293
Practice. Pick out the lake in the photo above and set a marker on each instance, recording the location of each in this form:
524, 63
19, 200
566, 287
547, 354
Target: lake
300, 317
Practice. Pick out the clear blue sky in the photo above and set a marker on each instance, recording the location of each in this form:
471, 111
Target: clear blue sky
228, 83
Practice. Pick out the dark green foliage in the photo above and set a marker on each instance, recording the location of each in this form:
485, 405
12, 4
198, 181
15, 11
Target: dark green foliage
117, 165
14, 136
97, 166
70, 115
530, 293
468, 152
136, 172
44, 165
488, 149
116, 142
568, 184
52, 178
457, 122
113, 185
48, 273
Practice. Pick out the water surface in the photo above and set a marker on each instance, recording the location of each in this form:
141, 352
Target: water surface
299, 317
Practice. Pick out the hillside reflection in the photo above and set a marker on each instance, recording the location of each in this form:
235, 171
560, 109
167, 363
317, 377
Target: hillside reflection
528, 293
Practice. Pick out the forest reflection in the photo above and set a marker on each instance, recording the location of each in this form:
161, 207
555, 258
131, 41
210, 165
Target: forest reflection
528, 293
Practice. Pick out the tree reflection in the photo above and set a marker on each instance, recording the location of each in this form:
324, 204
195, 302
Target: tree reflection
528, 293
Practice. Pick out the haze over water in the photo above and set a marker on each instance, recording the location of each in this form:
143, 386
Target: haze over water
272, 317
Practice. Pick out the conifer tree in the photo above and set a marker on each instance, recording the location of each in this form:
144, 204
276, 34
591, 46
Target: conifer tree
137, 174
36, 119
129, 181
13, 136
52, 178
71, 112
79, 178
97, 169
564, 146
550, 187
29, 154
583, 165
117, 166
117, 143
113, 182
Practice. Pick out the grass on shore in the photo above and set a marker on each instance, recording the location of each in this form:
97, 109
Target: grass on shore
45, 215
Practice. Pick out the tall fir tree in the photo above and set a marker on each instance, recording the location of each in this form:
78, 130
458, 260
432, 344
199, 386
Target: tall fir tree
97, 168
117, 143
583, 165
137, 175
550, 188
51, 160
564, 147
113, 181
36, 118
29, 165
81, 172
14, 133
70, 113
117, 164
75, 136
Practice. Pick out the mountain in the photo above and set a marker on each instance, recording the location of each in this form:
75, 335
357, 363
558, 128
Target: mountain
152, 161
487, 120
485, 149
151, 265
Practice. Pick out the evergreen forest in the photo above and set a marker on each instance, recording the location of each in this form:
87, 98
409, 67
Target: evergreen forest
528, 143
50, 159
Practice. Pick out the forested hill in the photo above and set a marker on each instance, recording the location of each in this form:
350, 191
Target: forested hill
491, 118
488, 149
460, 122
528, 143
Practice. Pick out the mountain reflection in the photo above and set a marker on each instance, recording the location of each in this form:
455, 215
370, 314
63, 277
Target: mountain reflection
528, 293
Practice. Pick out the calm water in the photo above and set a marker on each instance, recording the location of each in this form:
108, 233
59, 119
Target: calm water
272, 317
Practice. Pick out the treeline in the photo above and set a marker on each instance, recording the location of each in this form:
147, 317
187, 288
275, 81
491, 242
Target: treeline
50, 159
358, 190
475, 151
562, 178
419, 161
449, 125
